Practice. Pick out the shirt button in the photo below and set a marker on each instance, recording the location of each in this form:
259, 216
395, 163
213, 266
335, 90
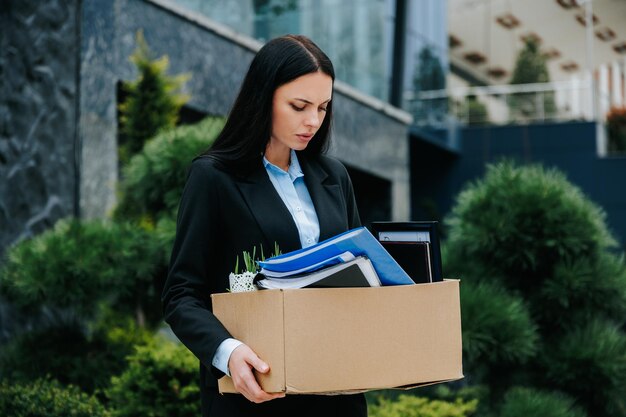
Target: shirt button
298, 208
309, 240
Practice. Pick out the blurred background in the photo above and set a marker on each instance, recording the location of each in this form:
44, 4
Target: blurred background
504, 120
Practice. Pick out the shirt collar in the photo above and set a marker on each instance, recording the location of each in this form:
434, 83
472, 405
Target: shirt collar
294, 170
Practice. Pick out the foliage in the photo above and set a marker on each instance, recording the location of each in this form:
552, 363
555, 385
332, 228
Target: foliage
154, 178
616, 129
530, 68
429, 75
71, 354
596, 354
518, 222
475, 111
524, 402
497, 327
412, 406
77, 264
530, 65
152, 102
161, 380
575, 294
47, 398
544, 293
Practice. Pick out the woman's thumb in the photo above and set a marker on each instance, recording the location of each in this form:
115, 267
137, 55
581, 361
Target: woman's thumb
260, 366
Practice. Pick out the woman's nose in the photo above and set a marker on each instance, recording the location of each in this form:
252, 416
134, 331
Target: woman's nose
312, 119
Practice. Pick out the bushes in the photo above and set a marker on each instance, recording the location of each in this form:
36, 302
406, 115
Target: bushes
411, 406
152, 101
525, 402
161, 380
71, 353
154, 179
79, 264
47, 398
500, 330
544, 294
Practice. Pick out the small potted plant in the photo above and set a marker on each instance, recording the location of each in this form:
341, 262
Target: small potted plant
244, 281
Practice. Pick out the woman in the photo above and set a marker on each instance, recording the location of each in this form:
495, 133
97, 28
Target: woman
265, 180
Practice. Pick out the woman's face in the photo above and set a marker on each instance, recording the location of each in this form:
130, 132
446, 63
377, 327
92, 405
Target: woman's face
298, 111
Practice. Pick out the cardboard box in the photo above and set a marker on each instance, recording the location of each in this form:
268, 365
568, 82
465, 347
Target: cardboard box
348, 339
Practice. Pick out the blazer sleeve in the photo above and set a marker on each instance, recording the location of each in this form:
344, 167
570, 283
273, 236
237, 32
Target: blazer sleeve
186, 294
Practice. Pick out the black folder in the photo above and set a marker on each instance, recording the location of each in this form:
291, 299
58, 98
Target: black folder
415, 246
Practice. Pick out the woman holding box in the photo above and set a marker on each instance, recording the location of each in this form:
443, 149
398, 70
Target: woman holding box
265, 181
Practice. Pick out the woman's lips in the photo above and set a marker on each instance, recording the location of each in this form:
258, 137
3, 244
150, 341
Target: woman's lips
305, 136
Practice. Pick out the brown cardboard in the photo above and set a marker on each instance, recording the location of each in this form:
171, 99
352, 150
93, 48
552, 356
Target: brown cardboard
348, 339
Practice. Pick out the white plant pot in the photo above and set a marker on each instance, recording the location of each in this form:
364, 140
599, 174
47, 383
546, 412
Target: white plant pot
242, 282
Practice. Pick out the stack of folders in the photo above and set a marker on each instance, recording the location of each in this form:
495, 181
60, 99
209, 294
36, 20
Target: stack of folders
358, 272
353, 258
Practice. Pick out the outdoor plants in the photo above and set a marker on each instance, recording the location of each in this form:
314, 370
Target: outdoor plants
544, 294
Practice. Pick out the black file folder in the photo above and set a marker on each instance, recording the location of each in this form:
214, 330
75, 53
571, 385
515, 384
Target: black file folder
415, 246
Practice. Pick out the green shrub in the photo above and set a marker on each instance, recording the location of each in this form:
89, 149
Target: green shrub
530, 68
411, 406
79, 264
71, 354
161, 380
526, 402
532, 234
152, 102
46, 398
154, 178
519, 222
497, 327
583, 289
590, 363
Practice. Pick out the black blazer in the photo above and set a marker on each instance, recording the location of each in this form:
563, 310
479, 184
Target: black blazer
221, 215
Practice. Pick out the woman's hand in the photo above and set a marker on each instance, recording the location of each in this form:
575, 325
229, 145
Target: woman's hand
240, 365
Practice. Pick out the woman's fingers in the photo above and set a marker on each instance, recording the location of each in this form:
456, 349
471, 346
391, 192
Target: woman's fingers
240, 364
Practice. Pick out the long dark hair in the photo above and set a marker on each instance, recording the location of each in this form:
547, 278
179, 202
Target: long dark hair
249, 125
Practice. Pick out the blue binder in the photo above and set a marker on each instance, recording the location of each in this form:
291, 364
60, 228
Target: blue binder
359, 241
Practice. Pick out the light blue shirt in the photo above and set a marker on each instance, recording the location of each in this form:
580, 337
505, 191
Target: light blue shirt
292, 190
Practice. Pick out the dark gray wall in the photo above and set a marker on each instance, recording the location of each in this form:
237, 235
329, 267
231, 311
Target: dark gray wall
38, 91
438, 175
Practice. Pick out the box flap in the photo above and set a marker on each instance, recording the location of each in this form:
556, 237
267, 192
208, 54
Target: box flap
258, 316
376, 338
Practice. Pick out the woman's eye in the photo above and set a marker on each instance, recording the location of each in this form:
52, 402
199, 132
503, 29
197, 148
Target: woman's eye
323, 109
296, 108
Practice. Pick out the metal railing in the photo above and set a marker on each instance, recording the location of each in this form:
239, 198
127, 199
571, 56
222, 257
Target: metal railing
503, 104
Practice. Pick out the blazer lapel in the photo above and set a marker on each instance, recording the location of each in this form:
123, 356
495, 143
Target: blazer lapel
268, 209
326, 196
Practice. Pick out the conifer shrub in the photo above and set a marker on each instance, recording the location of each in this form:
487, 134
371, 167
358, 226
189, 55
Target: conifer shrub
413, 406
152, 101
589, 362
71, 353
531, 68
501, 329
47, 398
525, 402
155, 177
160, 381
546, 247
79, 264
